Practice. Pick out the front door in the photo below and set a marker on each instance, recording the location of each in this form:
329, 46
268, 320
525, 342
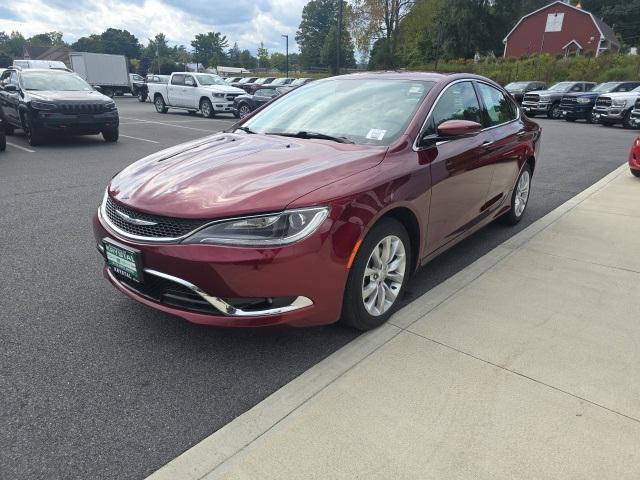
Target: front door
9, 101
461, 169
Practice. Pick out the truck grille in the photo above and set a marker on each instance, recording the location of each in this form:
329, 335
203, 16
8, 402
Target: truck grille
603, 102
75, 108
231, 96
568, 101
163, 227
531, 97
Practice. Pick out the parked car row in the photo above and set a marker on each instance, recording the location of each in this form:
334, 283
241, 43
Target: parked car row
607, 103
251, 84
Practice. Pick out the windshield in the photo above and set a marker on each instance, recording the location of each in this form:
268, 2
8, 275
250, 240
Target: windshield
60, 81
368, 111
606, 87
637, 89
206, 79
562, 86
517, 86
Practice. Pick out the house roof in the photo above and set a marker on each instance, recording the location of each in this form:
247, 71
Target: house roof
57, 52
605, 30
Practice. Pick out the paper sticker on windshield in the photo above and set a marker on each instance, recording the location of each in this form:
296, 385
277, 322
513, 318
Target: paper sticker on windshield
376, 134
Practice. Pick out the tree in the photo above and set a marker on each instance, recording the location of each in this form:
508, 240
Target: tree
234, 56
48, 39
13, 44
209, 49
263, 56
278, 60
247, 60
157, 51
92, 43
329, 49
317, 18
120, 42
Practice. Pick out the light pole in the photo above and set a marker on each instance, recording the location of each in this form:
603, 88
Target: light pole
286, 58
339, 37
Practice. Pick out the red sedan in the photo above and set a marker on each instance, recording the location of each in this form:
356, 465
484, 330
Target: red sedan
634, 157
321, 205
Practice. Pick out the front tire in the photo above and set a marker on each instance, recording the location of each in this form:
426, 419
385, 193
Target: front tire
378, 276
554, 111
519, 198
635, 173
244, 110
206, 108
142, 96
626, 120
111, 136
34, 136
161, 107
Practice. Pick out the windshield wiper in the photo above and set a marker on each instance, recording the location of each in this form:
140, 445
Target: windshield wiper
244, 129
304, 134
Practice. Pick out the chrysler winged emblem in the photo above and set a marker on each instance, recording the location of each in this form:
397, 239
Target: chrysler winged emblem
134, 221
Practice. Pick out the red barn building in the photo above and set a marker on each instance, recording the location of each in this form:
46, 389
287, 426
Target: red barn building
560, 29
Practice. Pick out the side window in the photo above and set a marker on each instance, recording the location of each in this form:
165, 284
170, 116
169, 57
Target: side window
499, 108
13, 79
177, 80
266, 92
189, 81
4, 79
576, 88
589, 87
458, 102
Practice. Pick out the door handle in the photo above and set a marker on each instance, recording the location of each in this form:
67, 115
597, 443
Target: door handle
487, 143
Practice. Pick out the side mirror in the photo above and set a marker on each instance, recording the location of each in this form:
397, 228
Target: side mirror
10, 88
452, 130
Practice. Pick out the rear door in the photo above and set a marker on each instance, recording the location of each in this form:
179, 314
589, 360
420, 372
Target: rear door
502, 120
461, 169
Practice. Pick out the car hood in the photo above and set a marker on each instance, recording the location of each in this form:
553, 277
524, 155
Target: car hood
53, 95
585, 94
621, 95
226, 175
547, 92
223, 89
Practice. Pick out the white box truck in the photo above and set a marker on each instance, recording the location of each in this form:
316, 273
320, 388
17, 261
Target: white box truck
109, 72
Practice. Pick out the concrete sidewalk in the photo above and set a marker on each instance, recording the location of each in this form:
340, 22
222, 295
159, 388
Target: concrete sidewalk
524, 365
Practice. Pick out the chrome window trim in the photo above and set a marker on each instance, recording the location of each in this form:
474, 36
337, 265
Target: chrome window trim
218, 303
417, 148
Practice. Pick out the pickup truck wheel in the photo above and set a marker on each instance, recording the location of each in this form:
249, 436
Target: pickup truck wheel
142, 96
206, 108
554, 112
590, 118
626, 120
161, 107
111, 136
34, 137
244, 110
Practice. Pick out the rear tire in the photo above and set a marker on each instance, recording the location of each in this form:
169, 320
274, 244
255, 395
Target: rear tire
161, 107
635, 173
111, 136
519, 198
207, 108
378, 276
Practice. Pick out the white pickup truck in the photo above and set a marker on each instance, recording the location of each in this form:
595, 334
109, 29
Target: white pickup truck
194, 91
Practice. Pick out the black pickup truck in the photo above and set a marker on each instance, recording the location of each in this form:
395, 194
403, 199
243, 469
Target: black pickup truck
547, 101
576, 106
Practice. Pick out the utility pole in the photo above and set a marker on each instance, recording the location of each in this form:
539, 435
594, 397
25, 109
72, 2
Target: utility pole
286, 61
339, 37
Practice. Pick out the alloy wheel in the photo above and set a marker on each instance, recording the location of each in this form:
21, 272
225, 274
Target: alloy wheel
522, 193
384, 275
206, 109
244, 111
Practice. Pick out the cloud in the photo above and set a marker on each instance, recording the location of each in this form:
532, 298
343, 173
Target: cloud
247, 22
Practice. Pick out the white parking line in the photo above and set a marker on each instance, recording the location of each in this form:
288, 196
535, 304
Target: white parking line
20, 147
141, 139
140, 120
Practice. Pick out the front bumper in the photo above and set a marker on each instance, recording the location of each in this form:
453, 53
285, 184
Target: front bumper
223, 106
575, 111
76, 123
309, 271
611, 114
536, 107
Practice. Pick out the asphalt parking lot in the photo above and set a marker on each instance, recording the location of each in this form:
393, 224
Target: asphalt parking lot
94, 385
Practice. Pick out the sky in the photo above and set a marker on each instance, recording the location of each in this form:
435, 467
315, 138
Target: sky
247, 22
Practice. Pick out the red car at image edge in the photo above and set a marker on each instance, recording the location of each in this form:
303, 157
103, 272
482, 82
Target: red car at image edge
634, 157
320, 205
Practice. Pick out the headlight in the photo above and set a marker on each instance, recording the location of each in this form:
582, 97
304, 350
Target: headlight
544, 98
263, 230
42, 105
111, 106
616, 102
584, 100
218, 95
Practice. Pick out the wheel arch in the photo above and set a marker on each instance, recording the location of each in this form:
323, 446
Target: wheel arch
408, 219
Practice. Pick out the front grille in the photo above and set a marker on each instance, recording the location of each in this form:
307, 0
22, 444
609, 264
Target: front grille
568, 101
531, 97
231, 96
165, 227
603, 102
76, 108
168, 293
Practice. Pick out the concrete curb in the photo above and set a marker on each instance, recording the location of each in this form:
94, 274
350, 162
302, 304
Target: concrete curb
212, 452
